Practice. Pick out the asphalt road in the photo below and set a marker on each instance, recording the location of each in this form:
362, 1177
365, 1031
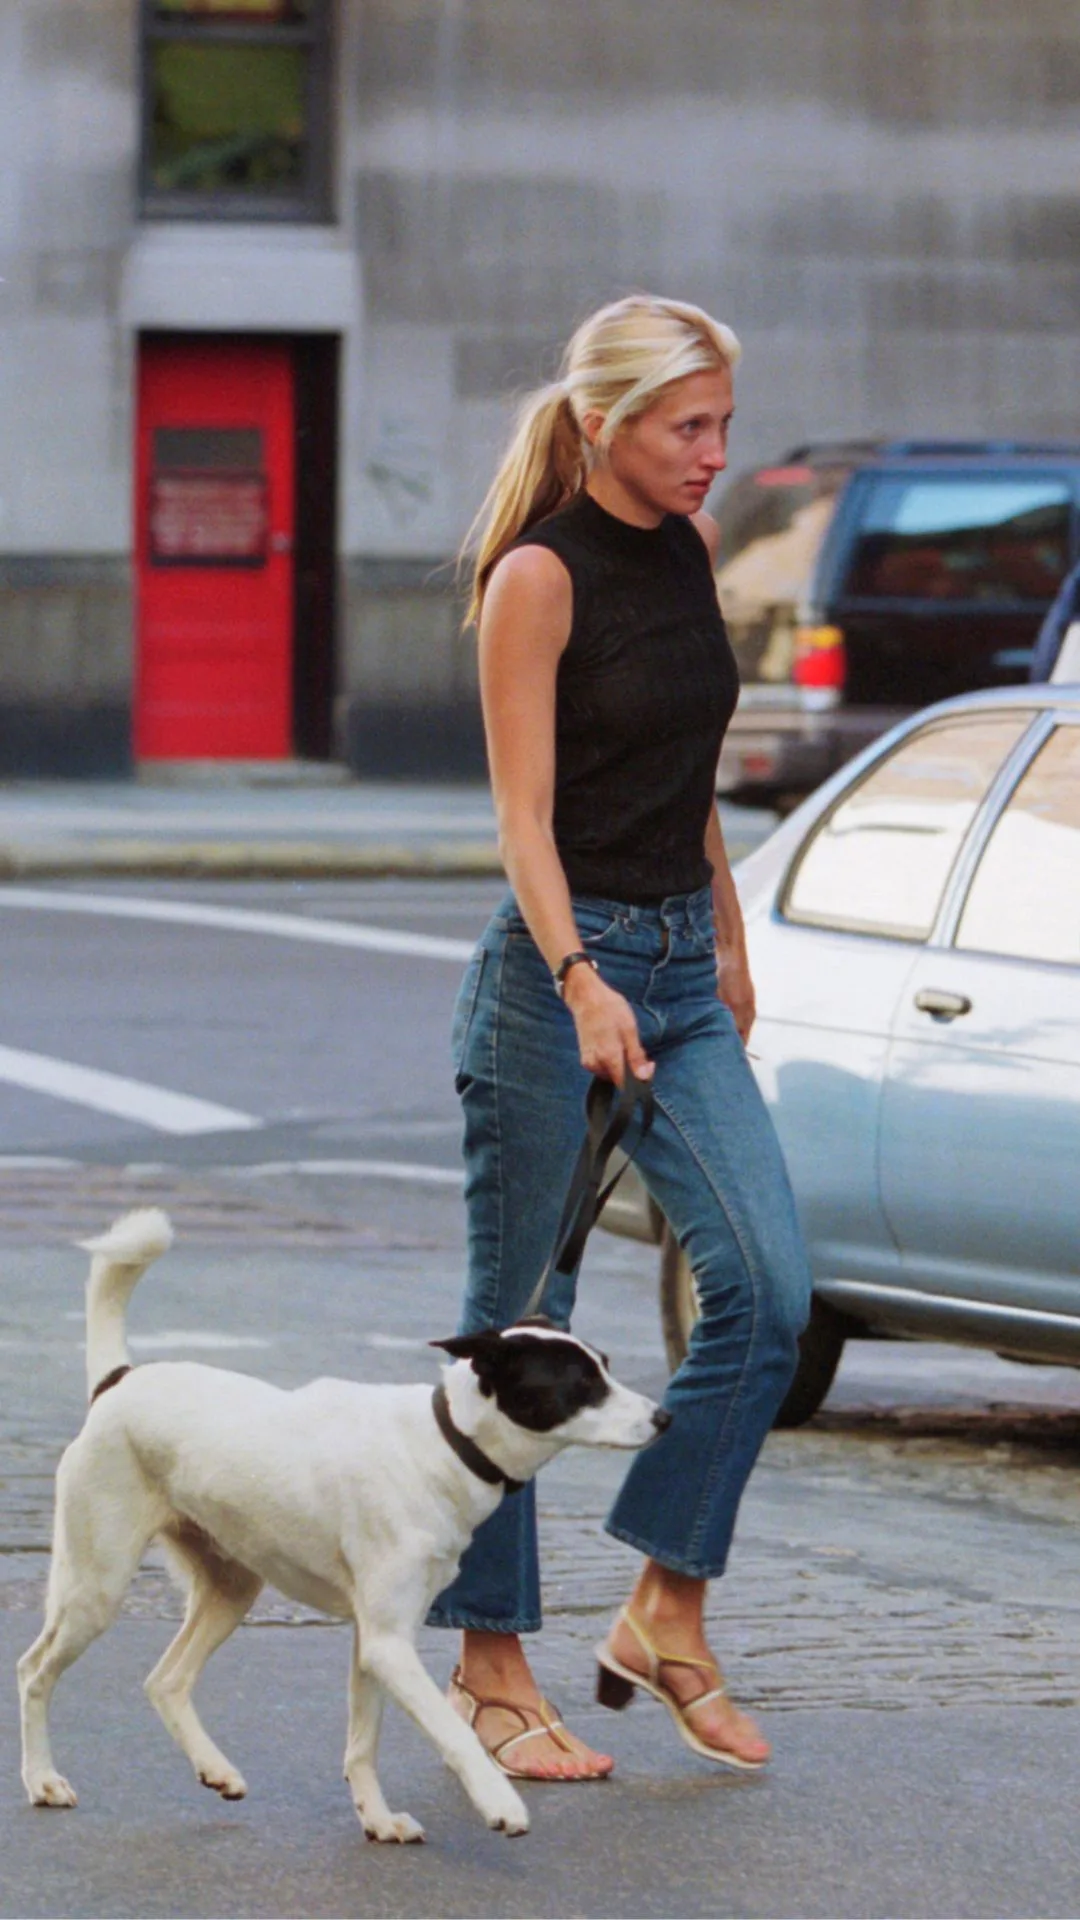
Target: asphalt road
902, 1608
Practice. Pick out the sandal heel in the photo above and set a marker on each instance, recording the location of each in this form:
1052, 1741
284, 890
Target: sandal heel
612, 1690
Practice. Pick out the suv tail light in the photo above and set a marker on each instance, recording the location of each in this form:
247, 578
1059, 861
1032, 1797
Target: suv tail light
820, 657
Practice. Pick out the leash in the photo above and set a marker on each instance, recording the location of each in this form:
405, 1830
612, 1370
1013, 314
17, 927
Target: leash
609, 1111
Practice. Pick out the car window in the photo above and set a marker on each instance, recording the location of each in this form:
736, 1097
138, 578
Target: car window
962, 537
1025, 897
771, 525
879, 862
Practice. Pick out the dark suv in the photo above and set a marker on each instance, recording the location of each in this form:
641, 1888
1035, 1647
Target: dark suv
861, 580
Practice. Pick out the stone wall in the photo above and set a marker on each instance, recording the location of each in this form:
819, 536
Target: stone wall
878, 194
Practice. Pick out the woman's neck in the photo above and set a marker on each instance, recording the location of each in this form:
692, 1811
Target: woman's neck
616, 499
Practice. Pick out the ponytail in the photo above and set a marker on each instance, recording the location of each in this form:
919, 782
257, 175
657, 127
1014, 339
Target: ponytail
543, 468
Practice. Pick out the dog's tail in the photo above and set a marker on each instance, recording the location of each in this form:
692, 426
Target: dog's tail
121, 1257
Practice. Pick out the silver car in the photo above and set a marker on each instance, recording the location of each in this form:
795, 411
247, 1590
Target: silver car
914, 936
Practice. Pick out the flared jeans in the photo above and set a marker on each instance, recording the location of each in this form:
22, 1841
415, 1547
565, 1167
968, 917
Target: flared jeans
712, 1162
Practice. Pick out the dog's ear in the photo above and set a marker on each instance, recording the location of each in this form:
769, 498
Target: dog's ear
483, 1350
470, 1346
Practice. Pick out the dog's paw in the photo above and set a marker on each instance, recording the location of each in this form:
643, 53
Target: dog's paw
51, 1790
510, 1816
224, 1780
400, 1827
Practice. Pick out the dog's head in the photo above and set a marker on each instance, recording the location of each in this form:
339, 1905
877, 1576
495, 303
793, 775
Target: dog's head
554, 1385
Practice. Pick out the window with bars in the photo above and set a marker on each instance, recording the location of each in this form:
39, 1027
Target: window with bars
235, 109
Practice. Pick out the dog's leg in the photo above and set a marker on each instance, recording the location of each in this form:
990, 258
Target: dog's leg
222, 1592
97, 1545
365, 1716
391, 1658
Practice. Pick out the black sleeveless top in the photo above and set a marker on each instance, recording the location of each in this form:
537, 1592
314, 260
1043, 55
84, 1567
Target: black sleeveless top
645, 689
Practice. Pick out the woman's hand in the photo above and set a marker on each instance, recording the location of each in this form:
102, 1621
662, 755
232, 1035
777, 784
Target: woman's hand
736, 989
608, 1038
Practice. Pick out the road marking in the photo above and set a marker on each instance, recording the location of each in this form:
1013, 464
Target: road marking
415, 1173
281, 926
203, 1340
113, 1093
35, 1163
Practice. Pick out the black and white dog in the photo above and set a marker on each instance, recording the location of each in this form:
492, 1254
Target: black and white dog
355, 1499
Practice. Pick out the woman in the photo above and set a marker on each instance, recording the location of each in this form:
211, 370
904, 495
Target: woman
607, 683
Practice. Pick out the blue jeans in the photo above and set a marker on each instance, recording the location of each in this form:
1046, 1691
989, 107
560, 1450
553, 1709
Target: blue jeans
712, 1162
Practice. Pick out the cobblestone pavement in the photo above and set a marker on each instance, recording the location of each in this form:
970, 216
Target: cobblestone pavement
886, 1558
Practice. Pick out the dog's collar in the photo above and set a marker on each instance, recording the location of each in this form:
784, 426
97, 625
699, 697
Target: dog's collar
467, 1450
110, 1380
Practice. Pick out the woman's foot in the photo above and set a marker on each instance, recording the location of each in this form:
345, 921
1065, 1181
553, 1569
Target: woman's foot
494, 1690
717, 1724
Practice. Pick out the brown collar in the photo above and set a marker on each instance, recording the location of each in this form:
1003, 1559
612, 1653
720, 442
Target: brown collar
467, 1450
110, 1380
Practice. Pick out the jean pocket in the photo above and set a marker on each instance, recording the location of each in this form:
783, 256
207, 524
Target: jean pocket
465, 1009
595, 924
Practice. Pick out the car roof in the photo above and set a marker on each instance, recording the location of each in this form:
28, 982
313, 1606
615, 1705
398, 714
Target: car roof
880, 452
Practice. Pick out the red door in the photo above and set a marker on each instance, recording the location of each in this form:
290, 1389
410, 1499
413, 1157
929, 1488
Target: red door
214, 549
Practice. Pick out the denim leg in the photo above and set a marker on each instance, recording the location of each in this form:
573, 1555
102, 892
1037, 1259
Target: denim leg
522, 1089
713, 1163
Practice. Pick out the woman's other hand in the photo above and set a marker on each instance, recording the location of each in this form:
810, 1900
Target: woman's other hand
736, 989
608, 1037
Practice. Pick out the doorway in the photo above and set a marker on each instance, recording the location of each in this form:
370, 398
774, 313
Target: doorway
235, 547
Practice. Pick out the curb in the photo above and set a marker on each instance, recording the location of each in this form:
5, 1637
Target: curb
238, 860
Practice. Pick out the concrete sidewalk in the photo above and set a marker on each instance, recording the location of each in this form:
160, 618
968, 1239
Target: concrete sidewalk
238, 828
288, 824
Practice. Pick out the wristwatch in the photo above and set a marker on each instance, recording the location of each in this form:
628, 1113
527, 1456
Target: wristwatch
564, 966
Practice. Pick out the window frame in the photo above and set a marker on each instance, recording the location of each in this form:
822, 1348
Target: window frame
310, 203
946, 919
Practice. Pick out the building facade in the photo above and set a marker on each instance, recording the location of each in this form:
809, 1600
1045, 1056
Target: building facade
272, 271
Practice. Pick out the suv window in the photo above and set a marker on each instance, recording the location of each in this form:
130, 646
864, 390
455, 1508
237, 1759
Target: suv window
771, 525
961, 537
880, 861
1025, 897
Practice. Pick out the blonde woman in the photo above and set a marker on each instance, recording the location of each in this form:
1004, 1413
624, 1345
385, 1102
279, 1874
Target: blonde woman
607, 683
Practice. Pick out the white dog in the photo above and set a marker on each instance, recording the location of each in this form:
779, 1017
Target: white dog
355, 1499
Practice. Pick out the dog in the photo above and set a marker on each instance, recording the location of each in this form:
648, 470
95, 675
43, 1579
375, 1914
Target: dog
358, 1500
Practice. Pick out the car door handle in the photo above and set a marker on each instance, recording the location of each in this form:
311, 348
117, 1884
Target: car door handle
944, 1006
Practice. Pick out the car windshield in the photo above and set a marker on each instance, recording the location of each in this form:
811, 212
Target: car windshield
962, 537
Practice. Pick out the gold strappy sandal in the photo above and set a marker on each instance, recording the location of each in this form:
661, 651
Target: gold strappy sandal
615, 1685
550, 1723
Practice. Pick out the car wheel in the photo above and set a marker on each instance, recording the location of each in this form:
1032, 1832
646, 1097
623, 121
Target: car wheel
820, 1346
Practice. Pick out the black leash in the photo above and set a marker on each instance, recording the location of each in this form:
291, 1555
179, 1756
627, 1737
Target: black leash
609, 1111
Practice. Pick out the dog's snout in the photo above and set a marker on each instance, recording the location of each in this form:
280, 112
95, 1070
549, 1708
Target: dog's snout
662, 1419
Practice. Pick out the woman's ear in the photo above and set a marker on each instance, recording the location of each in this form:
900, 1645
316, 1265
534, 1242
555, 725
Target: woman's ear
592, 426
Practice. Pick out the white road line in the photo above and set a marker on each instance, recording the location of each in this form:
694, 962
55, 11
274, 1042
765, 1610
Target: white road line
35, 1162
416, 1174
113, 1093
281, 926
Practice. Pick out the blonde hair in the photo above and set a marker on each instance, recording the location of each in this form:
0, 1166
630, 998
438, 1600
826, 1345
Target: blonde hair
616, 364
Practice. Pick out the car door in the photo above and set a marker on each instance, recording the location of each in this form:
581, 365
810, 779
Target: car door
832, 963
980, 1117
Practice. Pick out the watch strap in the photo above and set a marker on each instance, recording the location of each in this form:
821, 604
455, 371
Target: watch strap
571, 960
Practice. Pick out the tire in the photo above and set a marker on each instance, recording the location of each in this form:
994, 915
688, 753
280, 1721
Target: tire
820, 1346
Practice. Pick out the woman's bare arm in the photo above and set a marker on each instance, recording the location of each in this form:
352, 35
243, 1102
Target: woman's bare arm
524, 629
733, 982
